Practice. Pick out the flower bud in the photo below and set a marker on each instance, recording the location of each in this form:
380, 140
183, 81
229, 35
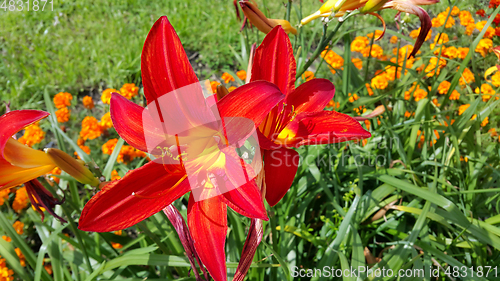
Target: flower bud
72, 166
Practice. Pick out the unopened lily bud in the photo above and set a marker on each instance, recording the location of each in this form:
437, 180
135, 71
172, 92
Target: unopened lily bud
221, 92
373, 5
72, 166
257, 18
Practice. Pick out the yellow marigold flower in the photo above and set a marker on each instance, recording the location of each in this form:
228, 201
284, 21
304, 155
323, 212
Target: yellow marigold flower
473, 117
376, 51
358, 63
214, 85
487, 91
4, 195
6, 238
5, 273
353, 98
495, 79
420, 94
62, 100
115, 176
106, 121
369, 89
485, 122
90, 128
465, 17
33, 134
490, 31
432, 68
139, 154
22, 259
462, 52
242, 74
126, 155
227, 77
378, 33
444, 87
129, 90
467, 77
441, 38
454, 12
106, 95
379, 82
63, 115
232, 88
116, 245
88, 103
18, 227
394, 39
55, 171
455, 95
108, 147
21, 200
462, 108
308, 75
414, 34
359, 43
333, 59
484, 46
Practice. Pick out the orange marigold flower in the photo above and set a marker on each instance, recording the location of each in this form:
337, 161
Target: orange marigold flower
462, 52
232, 88
436, 102
487, 91
55, 171
359, 43
18, 227
485, 122
214, 85
62, 100
90, 128
85, 149
414, 34
33, 134
4, 195
115, 176
470, 28
495, 79
454, 12
378, 33
379, 82
21, 200
116, 245
129, 90
106, 95
358, 63
242, 74
106, 121
48, 268
108, 147
462, 108
420, 94
493, 132
118, 232
465, 18
490, 31
369, 89
5, 273
22, 259
484, 46
444, 87
394, 39
63, 115
333, 104
407, 114
308, 75
126, 155
333, 59
6, 238
451, 52
376, 51
227, 77
353, 98
467, 77
88, 102
455, 95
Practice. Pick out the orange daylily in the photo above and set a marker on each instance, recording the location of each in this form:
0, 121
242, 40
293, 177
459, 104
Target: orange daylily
257, 18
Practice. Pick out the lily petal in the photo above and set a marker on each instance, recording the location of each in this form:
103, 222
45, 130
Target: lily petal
247, 201
14, 121
274, 61
128, 121
24, 156
311, 96
207, 220
252, 101
164, 63
139, 194
321, 128
280, 166
12, 175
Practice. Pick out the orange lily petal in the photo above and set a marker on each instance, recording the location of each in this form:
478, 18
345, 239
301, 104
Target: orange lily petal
12, 175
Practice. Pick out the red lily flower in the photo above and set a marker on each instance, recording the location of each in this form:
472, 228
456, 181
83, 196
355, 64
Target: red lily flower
296, 120
149, 189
